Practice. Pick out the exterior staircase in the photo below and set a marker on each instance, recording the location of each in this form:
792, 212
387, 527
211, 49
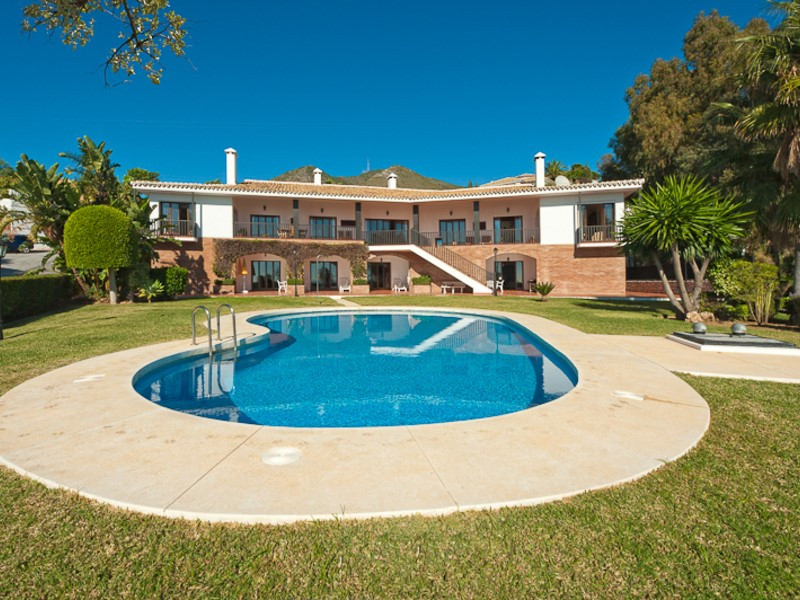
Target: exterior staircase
455, 265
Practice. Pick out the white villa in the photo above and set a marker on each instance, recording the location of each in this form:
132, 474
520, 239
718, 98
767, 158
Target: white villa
521, 233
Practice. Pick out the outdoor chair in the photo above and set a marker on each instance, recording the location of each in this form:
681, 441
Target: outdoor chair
399, 286
344, 285
282, 287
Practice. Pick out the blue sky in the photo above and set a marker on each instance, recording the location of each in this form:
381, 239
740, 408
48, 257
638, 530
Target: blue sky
455, 90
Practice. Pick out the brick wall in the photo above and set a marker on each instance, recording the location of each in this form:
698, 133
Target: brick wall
656, 288
575, 271
197, 257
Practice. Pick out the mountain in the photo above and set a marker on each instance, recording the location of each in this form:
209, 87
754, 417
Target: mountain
406, 178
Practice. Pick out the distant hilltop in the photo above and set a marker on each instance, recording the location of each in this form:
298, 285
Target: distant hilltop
406, 178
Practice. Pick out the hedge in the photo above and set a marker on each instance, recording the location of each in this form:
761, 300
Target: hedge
174, 279
28, 295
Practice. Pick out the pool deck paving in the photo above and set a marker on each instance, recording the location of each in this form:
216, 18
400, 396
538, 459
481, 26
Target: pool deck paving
683, 359
84, 428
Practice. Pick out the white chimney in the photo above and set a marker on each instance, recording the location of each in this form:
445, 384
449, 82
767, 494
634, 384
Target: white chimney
392, 181
538, 160
230, 166
317, 176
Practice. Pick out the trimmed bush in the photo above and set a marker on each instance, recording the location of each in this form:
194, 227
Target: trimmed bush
422, 280
174, 279
29, 295
99, 237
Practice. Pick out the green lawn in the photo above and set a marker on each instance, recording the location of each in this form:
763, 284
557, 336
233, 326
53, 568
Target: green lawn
616, 317
724, 520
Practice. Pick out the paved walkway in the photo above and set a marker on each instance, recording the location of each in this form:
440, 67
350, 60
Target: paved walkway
84, 428
683, 359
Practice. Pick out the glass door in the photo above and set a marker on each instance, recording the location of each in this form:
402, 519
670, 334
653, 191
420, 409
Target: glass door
264, 226
325, 274
510, 271
265, 274
379, 276
453, 231
322, 228
386, 231
508, 230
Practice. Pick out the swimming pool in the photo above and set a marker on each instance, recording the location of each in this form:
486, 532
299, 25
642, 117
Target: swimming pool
366, 369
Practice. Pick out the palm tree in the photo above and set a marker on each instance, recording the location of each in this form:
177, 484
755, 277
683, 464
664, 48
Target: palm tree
773, 73
97, 180
684, 220
554, 169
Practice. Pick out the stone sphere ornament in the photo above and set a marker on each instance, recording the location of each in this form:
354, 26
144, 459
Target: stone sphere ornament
699, 328
738, 329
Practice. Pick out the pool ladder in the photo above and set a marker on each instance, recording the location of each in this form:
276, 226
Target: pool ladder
219, 329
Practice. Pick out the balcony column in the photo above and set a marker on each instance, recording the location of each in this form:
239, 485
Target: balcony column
415, 224
476, 221
296, 216
358, 221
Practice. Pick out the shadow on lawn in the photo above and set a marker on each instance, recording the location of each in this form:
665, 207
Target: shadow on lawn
652, 308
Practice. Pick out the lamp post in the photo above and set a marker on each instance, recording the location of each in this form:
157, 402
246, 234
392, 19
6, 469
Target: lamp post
294, 267
244, 281
3, 249
494, 274
317, 259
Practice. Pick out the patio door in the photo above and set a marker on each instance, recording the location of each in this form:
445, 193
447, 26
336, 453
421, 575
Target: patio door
322, 228
510, 272
379, 276
508, 230
326, 274
265, 274
177, 218
453, 231
386, 231
264, 226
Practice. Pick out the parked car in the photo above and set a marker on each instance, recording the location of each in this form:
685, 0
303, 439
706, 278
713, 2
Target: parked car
19, 243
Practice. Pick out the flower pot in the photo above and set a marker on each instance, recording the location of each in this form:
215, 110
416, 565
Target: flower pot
360, 290
417, 288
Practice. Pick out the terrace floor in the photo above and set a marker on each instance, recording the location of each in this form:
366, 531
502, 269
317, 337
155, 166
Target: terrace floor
84, 428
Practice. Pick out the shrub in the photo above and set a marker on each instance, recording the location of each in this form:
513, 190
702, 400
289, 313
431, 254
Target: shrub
755, 283
33, 294
543, 288
733, 312
422, 280
173, 279
99, 237
291, 281
151, 290
360, 282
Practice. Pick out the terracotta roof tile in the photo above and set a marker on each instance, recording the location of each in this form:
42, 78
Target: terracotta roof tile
310, 190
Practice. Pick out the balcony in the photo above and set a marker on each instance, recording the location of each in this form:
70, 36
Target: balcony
492, 237
398, 237
285, 231
176, 229
599, 234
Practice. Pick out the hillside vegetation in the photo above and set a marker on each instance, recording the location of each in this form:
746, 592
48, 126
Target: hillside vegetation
406, 178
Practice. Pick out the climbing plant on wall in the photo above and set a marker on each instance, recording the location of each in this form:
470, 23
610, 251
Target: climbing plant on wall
228, 251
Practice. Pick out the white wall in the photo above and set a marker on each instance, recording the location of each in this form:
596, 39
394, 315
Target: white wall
559, 216
557, 219
212, 214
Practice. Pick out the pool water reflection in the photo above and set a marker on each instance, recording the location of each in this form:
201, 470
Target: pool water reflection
359, 369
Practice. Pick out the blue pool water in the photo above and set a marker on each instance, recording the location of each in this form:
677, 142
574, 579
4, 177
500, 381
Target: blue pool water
356, 369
